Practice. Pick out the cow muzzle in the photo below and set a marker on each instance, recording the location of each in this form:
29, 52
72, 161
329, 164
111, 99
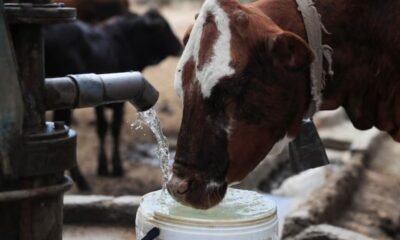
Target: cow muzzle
196, 192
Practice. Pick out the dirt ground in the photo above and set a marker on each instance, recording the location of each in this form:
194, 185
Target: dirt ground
141, 175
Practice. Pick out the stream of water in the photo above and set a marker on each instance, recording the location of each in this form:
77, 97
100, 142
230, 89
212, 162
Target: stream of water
150, 119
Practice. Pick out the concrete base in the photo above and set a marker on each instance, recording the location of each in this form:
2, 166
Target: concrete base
81, 232
120, 211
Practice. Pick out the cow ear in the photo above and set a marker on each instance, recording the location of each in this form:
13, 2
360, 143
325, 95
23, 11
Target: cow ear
154, 19
290, 51
153, 13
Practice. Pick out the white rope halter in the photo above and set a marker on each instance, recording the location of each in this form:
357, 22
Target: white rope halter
314, 28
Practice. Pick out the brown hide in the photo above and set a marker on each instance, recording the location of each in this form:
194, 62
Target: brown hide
366, 41
97, 10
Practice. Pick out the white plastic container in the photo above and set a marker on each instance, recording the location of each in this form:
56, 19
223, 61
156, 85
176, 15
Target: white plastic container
242, 215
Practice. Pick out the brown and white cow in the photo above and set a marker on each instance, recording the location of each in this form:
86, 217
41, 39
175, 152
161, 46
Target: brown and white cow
245, 85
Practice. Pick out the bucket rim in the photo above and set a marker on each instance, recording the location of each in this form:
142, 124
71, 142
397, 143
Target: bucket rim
159, 217
265, 218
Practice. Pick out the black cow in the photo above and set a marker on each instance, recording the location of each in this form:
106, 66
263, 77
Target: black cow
124, 43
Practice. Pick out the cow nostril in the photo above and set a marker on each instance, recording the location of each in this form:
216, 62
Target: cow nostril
183, 187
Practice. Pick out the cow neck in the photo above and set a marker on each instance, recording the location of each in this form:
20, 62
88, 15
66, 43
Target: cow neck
314, 30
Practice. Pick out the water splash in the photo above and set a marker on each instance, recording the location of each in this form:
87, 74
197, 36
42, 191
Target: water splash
150, 119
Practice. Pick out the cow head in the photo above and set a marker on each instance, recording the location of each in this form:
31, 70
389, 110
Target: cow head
150, 38
244, 86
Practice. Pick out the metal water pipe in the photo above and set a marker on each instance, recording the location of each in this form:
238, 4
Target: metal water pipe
88, 90
34, 153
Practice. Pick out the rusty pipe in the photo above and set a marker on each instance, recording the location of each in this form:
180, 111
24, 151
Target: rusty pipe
90, 90
19, 195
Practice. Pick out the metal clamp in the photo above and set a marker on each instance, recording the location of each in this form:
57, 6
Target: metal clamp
51, 151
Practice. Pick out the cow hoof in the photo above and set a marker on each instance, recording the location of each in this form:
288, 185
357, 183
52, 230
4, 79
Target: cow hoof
83, 185
118, 172
102, 170
84, 188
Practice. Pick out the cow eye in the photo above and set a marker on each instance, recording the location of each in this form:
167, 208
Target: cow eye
219, 99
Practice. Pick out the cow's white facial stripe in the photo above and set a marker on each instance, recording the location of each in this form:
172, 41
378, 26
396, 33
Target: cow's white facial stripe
219, 64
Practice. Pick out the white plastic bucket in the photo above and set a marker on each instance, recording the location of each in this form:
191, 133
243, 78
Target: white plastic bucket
243, 215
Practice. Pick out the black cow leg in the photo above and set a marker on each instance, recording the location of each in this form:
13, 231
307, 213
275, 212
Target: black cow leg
102, 126
63, 116
118, 109
80, 180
